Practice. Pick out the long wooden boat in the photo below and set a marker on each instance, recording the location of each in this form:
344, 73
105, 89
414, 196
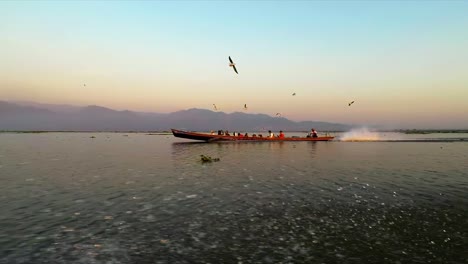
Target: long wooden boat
216, 138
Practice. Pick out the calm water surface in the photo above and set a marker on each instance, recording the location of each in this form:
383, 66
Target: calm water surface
137, 198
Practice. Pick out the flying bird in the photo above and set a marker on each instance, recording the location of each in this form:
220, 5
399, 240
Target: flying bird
294, 94
349, 104
84, 84
245, 106
278, 114
232, 64
215, 108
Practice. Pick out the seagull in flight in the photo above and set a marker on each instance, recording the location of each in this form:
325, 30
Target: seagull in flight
245, 106
351, 103
215, 108
278, 114
232, 64
294, 94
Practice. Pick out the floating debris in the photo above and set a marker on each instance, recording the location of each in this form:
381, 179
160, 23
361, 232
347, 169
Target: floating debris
208, 158
92, 137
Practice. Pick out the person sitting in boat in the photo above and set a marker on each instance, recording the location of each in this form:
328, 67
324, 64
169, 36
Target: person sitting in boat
281, 134
312, 133
260, 135
226, 133
254, 135
220, 132
271, 134
240, 135
246, 135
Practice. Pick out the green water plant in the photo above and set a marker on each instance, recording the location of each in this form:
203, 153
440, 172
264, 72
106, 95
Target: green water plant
208, 159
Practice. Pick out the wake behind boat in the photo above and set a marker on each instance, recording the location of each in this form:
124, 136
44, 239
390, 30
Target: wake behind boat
216, 138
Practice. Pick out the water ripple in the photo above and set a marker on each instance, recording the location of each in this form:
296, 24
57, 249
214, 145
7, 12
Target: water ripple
147, 200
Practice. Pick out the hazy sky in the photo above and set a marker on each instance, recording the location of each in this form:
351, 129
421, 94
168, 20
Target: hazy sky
405, 64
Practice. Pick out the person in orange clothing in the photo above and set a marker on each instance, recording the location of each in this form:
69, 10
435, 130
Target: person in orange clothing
281, 134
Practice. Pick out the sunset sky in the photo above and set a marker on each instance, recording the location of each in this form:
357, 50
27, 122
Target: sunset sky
405, 64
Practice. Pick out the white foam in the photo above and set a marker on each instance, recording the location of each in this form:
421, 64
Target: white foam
360, 134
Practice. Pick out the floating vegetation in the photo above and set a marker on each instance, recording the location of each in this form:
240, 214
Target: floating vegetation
431, 131
208, 159
159, 133
417, 132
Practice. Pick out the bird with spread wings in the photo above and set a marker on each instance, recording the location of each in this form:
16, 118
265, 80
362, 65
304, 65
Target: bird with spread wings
232, 64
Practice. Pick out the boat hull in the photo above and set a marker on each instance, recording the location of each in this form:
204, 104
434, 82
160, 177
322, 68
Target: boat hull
217, 138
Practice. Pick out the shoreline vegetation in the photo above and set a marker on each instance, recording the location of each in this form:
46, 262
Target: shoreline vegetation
405, 131
432, 131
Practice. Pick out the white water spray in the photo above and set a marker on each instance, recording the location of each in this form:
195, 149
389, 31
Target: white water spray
360, 134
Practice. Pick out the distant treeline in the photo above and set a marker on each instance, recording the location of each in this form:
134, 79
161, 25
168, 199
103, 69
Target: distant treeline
431, 131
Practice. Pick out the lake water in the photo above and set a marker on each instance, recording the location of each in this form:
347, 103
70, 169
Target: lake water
137, 198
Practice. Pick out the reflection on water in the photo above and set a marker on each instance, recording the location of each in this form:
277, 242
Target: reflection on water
69, 198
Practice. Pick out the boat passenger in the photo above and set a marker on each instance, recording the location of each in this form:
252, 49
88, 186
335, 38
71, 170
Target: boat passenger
260, 135
271, 134
246, 135
281, 134
240, 135
227, 133
254, 135
220, 132
312, 133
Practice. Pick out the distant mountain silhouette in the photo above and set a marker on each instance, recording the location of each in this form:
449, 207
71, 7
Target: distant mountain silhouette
7, 108
62, 108
46, 117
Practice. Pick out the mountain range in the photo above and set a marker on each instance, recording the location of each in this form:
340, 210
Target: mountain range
31, 116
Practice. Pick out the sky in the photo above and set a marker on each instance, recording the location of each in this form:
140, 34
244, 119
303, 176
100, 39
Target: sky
404, 63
